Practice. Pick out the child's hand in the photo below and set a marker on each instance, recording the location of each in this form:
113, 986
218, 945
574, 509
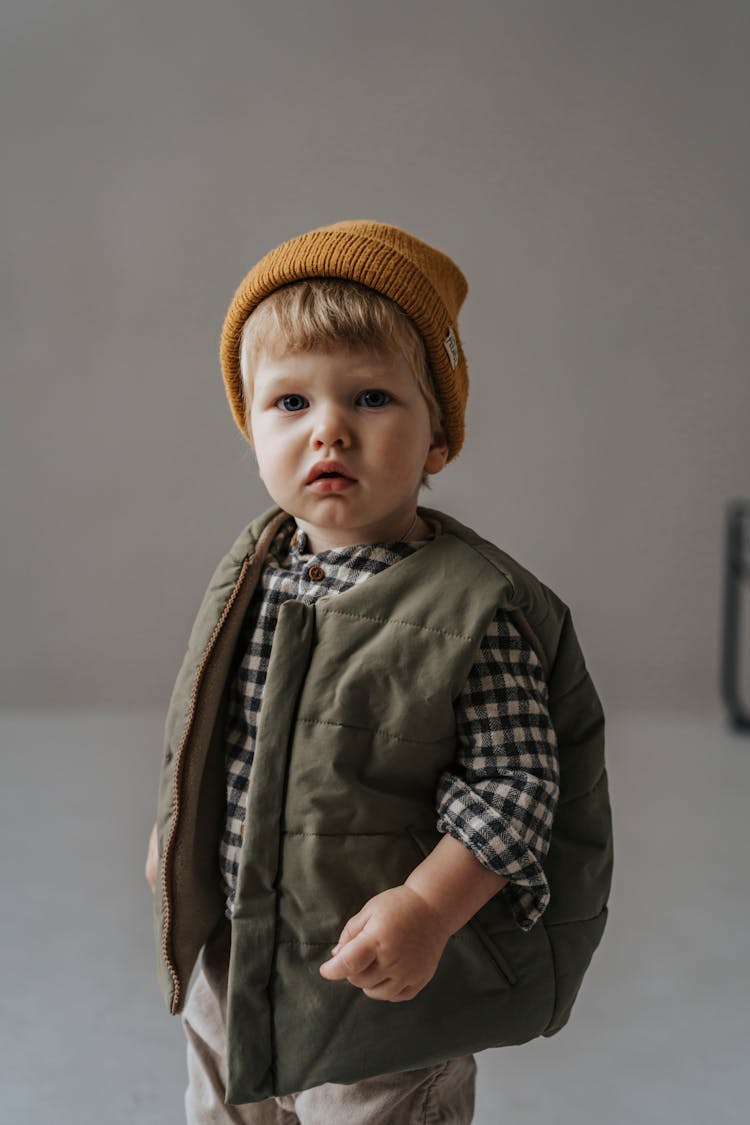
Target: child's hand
152, 860
391, 949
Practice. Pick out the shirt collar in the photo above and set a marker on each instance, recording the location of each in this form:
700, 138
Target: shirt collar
298, 543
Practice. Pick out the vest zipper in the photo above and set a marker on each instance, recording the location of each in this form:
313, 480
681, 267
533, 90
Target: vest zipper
167, 916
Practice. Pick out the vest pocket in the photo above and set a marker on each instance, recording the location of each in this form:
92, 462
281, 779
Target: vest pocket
473, 926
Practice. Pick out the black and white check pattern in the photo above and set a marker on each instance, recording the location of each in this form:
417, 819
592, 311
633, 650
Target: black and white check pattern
500, 795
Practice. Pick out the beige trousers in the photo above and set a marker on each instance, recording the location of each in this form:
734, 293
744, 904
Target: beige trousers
436, 1095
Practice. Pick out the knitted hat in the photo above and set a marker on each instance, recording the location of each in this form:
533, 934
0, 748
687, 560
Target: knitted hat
423, 281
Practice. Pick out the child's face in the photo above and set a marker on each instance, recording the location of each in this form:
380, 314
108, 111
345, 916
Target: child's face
365, 412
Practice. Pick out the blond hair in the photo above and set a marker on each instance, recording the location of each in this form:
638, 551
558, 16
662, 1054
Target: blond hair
320, 314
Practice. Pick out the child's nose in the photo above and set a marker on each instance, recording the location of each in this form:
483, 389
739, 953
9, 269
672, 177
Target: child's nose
330, 425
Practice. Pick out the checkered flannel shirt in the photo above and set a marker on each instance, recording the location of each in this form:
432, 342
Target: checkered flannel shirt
498, 798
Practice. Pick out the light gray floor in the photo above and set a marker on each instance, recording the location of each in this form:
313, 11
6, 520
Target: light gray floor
660, 1032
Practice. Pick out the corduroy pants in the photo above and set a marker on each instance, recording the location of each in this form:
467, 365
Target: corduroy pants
437, 1095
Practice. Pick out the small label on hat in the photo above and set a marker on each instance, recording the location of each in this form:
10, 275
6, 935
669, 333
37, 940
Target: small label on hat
450, 343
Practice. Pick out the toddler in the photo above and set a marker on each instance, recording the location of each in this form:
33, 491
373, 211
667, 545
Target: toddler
383, 833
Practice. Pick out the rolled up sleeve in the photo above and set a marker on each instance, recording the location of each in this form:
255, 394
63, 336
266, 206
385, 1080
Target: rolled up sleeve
500, 796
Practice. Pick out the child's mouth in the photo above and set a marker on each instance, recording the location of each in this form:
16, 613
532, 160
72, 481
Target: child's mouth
329, 475
331, 482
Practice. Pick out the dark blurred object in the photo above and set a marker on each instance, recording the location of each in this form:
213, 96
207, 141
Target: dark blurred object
736, 575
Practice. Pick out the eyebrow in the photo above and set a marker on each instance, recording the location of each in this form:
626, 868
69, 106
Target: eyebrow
282, 380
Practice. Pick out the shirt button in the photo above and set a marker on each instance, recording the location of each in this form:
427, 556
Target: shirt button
316, 573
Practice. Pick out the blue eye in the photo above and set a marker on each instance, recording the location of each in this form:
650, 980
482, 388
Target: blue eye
293, 403
381, 398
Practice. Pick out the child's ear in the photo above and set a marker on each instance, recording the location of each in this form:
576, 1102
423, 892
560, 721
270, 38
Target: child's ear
437, 455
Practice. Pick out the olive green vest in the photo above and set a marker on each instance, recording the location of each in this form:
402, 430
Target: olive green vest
356, 725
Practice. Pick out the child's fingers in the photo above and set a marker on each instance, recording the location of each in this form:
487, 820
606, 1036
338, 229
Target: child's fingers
152, 860
354, 926
356, 956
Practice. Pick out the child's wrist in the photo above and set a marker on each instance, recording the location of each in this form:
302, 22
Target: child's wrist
453, 883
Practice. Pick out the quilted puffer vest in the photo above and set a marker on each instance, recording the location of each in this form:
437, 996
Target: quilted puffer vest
357, 723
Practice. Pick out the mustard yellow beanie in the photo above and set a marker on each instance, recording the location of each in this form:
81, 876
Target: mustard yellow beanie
423, 281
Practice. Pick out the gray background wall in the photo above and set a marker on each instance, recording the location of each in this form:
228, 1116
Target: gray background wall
585, 163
